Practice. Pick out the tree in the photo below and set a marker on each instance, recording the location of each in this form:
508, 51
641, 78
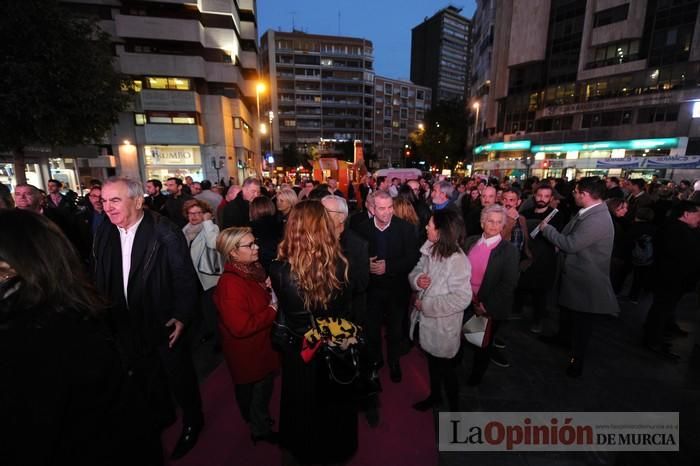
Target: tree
58, 85
444, 135
291, 157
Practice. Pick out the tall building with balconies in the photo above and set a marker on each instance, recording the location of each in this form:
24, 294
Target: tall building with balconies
440, 48
400, 108
592, 87
321, 89
195, 66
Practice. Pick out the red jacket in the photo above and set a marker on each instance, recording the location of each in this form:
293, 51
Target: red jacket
245, 322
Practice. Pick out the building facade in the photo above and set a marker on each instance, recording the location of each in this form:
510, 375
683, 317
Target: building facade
321, 90
399, 109
440, 54
194, 65
590, 88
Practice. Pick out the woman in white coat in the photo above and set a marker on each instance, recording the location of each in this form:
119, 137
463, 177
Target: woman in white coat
441, 279
201, 233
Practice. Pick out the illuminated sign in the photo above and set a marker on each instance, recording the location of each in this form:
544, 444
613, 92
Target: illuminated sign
172, 155
503, 146
632, 144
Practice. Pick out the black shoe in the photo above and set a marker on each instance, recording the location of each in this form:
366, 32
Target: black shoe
662, 350
498, 343
676, 331
188, 439
271, 438
499, 359
426, 404
395, 372
575, 368
372, 415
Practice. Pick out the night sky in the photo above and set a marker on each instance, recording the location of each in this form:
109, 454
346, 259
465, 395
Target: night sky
387, 23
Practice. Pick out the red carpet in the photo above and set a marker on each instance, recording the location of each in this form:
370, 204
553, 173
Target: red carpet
403, 435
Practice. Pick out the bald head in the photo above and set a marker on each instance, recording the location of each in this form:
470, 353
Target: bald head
488, 196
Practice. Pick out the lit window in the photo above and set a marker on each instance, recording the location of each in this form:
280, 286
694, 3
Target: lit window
158, 83
139, 119
178, 84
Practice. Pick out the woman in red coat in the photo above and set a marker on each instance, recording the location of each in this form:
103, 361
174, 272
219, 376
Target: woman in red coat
246, 312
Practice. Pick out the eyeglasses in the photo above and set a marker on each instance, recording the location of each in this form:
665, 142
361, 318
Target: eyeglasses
249, 245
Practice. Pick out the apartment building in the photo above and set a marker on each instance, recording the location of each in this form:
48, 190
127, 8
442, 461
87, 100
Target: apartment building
440, 54
195, 66
399, 109
321, 89
590, 87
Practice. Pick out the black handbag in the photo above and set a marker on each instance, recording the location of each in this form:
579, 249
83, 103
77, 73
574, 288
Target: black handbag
283, 337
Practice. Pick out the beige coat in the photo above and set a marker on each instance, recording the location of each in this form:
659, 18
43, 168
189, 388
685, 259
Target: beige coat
443, 302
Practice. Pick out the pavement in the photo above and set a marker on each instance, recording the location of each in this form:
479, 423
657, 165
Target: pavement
619, 375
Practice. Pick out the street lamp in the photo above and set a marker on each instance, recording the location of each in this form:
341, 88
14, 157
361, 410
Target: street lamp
259, 89
271, 117
476, 122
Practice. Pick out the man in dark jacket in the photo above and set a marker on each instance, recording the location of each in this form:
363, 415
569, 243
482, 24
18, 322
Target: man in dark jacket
637, 198
676, 259
175, 201
393, 250
237, 213
613, 189
142, 264
155, 200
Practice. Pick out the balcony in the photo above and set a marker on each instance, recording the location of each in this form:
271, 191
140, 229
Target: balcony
152, 99
162, 65
147, 27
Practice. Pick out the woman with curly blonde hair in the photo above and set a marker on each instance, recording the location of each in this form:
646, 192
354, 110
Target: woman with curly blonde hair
318, 421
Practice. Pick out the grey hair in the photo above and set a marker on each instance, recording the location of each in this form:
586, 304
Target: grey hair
370, 199
339, 204
494, 209
251, 180
446, 188
381, 195
134, 188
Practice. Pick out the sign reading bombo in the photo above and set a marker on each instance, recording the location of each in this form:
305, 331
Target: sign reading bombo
558, 431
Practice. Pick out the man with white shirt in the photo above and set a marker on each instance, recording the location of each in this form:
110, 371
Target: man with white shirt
142, 264
585, 247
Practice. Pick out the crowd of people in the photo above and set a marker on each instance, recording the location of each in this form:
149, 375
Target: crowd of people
102, 297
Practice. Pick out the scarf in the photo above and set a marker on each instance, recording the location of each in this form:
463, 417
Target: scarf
191, 231
253, 271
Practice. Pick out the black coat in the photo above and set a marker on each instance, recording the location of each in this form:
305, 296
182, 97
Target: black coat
173, 208
162, 282
500, 279
539, 274
402, 255
676, 257
66, 399
318, 418
355, 250
268, 234
236, 213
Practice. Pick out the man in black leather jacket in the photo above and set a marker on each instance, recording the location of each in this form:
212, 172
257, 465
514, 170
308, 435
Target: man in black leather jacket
141, 262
